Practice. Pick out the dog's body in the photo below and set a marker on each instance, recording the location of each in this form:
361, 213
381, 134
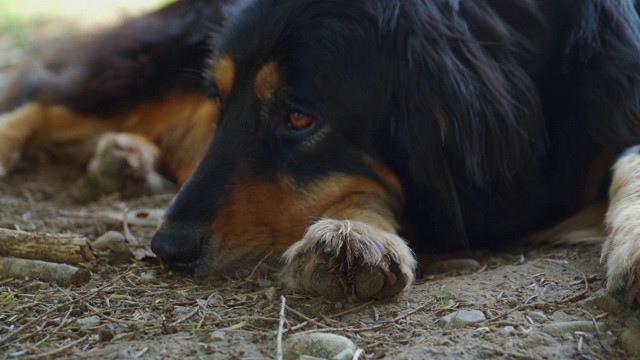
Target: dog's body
468, 122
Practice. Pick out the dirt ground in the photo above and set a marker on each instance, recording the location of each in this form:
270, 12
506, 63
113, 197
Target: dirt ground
137, 309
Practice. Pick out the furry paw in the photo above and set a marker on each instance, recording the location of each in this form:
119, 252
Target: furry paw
621, 250
123, 163
338, 258
621, 258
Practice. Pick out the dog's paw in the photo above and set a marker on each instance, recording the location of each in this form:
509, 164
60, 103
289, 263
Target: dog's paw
343, 258
621, 250
123, 163
621, 258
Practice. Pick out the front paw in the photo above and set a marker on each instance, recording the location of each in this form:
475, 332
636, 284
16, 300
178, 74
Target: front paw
338, 258
621, 257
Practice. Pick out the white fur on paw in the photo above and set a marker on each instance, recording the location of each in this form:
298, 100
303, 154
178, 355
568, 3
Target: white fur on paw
621, 250
343, 257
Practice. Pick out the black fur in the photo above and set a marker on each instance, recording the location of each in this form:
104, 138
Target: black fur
489, 111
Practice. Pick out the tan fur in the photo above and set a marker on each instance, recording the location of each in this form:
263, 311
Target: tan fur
180, 125
584, 227
621, 251
224, 75
288, 208
267, 81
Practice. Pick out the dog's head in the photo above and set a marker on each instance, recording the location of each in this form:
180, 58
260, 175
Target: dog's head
296, 85
323, 100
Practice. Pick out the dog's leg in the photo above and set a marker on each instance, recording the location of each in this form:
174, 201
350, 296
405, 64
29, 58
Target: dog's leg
124, 163
34, 123
354, 251
621, 250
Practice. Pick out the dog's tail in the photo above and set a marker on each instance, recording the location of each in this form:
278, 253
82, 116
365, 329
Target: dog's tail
587, 226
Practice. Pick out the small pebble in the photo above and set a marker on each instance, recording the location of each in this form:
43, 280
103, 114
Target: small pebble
322, 345
88, 322
559, 328
538, 316
115, 243
629, 339
217, 336
181, 310
148, 277
462, 318
508, 330
105, 334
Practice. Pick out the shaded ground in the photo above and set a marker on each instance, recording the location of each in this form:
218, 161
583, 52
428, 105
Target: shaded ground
145, 311
141, 310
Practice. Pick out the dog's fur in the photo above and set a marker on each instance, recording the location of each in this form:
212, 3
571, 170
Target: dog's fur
343, 127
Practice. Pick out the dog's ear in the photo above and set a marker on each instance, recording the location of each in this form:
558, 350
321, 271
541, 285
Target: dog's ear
467, 83
467, 115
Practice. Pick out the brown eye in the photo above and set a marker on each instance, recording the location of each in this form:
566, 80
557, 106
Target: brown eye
299, 121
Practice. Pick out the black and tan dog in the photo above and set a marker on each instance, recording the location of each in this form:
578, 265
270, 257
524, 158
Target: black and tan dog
342, 127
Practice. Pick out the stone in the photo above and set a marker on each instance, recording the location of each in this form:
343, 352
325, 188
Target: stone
559, 328
88, 322
322, 345
538, 316
462, 318
217, 335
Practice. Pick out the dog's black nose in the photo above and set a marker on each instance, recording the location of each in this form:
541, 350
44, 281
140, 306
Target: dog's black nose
178, 247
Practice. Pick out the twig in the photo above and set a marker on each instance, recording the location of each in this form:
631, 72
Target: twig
101, 314
63, 274
308, 319
59, 248
125, 227
517, 308
374, 327
17, 331
595, 323
348, 311
279, 355
584, 277
56, 351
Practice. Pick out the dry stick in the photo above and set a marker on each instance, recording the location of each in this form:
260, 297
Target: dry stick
63, 274
56, 351
279, 354
308, 319
61, 248
517, 308
584, 277
595, 322
64, 320
327, 317
100, 313
15, 332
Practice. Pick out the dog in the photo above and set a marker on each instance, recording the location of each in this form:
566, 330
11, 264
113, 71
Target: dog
348, 134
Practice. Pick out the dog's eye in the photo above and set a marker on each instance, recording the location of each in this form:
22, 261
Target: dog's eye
299, 120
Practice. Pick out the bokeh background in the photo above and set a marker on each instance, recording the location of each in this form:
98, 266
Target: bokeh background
31, 27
